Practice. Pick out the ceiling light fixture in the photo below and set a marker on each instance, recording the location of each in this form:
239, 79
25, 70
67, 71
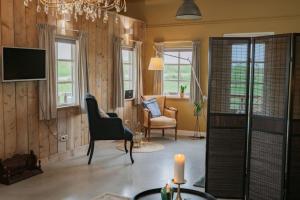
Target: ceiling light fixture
188, 11
92, 9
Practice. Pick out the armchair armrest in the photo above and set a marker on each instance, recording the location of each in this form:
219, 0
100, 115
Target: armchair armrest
112, 114
170, 112
147, 117
109, 129
171, 108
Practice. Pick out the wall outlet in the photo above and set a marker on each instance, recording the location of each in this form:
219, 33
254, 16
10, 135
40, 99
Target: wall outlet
63, 138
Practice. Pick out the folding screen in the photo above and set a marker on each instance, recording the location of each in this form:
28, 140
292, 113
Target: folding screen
293, 175
227, 116
269, 114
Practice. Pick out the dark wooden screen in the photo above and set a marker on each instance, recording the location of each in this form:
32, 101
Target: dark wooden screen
293, 181
227, 116
269, 113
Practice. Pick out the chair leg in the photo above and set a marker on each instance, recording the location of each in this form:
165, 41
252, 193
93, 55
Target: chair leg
146, 132
163, 132
89, 149
125, 146
92, 152
176, 134
131, 146
149, 132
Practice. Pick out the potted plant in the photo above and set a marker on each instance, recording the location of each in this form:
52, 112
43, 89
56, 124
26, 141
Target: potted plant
198, 108
182, 89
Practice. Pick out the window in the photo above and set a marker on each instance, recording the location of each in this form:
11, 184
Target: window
259, 70
128, 68
238, 83
65, 70
238, 77
177, 71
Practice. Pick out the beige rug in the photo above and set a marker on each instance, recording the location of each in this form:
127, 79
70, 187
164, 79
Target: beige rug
146, 147
109, 196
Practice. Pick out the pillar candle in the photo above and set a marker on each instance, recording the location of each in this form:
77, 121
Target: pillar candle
179, 168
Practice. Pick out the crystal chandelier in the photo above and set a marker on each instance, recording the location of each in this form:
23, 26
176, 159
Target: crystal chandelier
91, 9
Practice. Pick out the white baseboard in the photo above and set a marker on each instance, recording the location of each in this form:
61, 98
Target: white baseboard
187, 133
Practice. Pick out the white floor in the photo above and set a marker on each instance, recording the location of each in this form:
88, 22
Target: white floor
110, 171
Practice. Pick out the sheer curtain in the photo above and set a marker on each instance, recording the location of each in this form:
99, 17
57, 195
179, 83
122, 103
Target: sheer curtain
118, 85
82, 67
194, 90
158, 75
47, 88
139, 72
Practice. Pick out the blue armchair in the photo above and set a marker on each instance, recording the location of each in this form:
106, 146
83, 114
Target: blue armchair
105, 128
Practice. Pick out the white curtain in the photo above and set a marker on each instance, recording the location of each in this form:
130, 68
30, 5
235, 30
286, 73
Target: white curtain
47, 88
158, 75
194, 89
118, 85
82, 63
139, 72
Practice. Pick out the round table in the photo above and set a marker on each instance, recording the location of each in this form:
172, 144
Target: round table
186, 194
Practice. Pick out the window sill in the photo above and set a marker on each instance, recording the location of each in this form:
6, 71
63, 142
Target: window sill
177, 97
132, 99
63, 107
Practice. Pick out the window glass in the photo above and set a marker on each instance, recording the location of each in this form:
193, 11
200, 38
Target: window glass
177, 71
128, 68
66, 68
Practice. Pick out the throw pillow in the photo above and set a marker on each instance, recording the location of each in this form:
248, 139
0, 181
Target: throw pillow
103, 114
152, 105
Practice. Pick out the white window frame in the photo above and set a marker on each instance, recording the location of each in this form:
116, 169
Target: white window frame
132, 75
74, 80
180, 60
254, 34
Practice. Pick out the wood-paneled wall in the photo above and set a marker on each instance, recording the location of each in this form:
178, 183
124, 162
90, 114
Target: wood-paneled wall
20, 128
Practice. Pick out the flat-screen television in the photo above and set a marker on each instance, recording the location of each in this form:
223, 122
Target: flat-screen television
23, 64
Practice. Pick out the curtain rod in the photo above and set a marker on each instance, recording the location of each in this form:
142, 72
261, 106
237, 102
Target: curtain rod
183, 41
60, 28
130, 40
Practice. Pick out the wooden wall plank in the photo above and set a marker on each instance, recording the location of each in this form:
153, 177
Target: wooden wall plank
32, 87
104, 68
92, 56
9, 100
53, 137
62, 129
21, 87
2, 139
99, 64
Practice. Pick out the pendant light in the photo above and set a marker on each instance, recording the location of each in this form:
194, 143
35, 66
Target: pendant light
188, 11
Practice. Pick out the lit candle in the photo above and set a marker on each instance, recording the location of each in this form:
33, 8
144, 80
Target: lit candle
179, 168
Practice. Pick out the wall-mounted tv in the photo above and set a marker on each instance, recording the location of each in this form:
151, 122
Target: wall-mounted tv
23, 64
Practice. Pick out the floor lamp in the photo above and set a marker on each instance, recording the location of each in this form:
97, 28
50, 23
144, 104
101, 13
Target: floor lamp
157, 64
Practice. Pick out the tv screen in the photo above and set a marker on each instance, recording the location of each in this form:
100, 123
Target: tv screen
21, 64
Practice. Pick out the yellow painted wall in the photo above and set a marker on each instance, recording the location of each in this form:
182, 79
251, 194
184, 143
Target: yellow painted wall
219, 17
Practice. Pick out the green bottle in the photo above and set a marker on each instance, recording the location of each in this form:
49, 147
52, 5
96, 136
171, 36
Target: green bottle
166, 193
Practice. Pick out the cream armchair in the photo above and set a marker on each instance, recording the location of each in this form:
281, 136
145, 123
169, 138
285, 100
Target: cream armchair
167, 120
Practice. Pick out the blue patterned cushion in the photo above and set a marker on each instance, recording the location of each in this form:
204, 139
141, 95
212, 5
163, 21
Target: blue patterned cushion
152, 105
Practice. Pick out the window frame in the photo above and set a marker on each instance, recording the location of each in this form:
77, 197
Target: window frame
179, 59
74, 65
133, 71
233, 82
253, 34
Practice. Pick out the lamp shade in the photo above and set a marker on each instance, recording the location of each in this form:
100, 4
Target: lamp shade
156, 63
188, 10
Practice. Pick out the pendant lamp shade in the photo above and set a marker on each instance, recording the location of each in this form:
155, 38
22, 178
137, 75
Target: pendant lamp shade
188, 11
156, 63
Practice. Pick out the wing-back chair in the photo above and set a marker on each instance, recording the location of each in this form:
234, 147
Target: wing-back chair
105, 128
167, 120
